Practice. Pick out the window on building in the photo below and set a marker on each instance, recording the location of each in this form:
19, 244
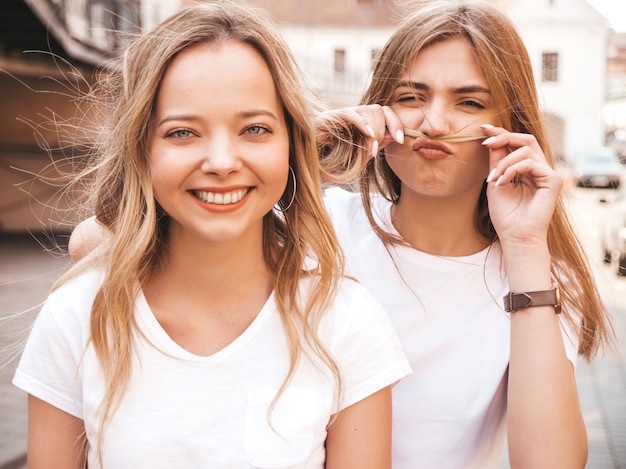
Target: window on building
340, 61
550, 66
114, 21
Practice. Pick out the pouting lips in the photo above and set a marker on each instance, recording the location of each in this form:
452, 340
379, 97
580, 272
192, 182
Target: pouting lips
427, 144
220, 198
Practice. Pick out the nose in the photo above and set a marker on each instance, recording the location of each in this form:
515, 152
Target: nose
435, 122
221, 156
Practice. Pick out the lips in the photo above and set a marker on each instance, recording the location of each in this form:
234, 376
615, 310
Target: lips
221, 198
430, 149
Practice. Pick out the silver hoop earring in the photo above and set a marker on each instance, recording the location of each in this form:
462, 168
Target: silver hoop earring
278, 206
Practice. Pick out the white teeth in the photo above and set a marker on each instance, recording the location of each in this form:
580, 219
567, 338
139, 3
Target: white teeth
221, 199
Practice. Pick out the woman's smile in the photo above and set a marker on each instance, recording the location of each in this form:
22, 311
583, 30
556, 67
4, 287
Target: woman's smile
220, 198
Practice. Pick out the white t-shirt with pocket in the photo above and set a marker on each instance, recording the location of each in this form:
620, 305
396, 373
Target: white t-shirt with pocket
184, 410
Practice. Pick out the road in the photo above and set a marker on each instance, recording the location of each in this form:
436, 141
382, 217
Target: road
27, 271
602, 383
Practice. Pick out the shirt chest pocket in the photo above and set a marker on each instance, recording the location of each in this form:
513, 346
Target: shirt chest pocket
286, 436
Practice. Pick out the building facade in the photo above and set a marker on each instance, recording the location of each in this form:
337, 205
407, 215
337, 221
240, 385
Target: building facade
568, 42
49, 51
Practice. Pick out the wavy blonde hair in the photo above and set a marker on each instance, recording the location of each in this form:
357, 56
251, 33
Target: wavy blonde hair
125, 205
503, 59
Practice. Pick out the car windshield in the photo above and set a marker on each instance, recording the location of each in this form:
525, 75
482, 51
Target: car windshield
600, 159
597, 159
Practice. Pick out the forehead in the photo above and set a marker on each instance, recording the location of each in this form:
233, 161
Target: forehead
446, 63
230, 70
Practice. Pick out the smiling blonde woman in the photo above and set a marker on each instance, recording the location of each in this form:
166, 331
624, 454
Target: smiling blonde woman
214, 326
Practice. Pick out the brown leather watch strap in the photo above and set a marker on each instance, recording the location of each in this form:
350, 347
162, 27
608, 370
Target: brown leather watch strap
516, 301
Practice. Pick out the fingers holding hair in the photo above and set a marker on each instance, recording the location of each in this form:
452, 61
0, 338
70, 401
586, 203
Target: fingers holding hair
379, 125
513, 156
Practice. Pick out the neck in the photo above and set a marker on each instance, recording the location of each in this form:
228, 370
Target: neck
225, 272
205, 294
443, 226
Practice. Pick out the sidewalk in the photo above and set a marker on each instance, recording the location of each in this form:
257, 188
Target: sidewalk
27, 272
602, 391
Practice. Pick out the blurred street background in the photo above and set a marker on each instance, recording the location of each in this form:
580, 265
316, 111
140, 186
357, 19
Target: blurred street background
51, 49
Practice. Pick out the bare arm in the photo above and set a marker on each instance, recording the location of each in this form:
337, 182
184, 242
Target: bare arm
56, 439
545, 424
360, 438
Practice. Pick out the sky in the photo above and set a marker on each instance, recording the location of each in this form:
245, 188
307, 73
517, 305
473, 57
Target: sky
614, 11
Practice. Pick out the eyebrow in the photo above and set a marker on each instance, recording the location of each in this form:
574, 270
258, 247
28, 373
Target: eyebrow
258, 112
176, 117
193, 117
460, 90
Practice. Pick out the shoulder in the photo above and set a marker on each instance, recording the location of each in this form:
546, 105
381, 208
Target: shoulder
78, 289
355, 308
362, 339
70, 304
348, 215
341, 201
352, 292
56, 345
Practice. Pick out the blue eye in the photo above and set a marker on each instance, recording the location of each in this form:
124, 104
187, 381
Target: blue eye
257, 129
179, 133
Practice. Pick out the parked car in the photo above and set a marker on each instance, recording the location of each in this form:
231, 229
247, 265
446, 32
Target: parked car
600, 167
613, 232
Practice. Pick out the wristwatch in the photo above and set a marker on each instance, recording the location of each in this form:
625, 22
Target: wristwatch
516, 301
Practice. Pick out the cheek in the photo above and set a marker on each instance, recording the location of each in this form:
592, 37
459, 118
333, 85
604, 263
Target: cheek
480, 159
169, 162
283, 181
278, 171
409, 116
401, 160
396, 153
165, 173
161, 186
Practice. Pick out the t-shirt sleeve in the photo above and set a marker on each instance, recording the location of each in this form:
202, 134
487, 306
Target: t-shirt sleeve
48, 368
341, 204
365, 345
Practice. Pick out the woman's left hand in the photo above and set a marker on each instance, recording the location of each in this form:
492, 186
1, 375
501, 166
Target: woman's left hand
523, 188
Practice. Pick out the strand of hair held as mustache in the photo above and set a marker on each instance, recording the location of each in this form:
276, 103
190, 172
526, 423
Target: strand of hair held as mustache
445, 138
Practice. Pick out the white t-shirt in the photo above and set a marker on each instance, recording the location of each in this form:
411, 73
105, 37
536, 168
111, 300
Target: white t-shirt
184, 410
451, 412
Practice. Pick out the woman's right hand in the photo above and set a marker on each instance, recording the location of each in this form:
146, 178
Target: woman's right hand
379, 125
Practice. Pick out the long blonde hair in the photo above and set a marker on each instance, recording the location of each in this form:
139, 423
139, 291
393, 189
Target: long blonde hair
124, 202
501, 55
